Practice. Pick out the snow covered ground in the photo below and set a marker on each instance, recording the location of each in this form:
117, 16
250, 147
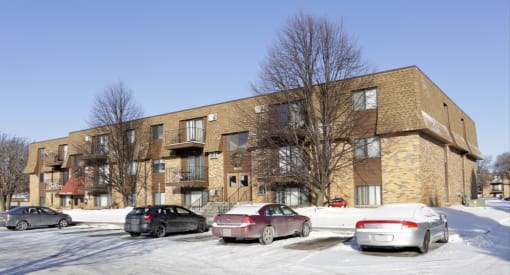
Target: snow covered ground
479, 244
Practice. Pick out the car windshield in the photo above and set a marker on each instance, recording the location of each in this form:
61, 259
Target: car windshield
245, 210
394, 212
139, 210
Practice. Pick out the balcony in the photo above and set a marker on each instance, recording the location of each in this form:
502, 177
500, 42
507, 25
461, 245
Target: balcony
186, 138
97, 152
277, 171
193, 176
54, 159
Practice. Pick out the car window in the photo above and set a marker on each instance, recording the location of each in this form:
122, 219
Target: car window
182, 211
139, 210
46, 211
32, 211
273, 210
169, 210
287, 211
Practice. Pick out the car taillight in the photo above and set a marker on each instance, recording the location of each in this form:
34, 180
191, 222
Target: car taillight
409, 224
148, 217
247, 220
360, 224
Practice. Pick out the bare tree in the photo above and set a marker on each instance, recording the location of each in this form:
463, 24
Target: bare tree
309, 140
116, 117
13, 159
502, 164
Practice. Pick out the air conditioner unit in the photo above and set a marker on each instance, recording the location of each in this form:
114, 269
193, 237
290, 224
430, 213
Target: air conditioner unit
87, 138
213, 192
212, 117
260, 109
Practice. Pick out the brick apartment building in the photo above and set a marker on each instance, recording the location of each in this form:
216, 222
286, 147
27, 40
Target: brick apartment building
423, 149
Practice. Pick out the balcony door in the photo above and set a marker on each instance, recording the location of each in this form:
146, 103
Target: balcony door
194, 130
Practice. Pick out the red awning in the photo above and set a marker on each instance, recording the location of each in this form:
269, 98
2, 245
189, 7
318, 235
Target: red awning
73, 187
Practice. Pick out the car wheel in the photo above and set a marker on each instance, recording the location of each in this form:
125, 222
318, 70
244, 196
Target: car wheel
267, 235
305, 232
22, 225
63, 223
159, 231
446, 234
424, 248
134, 234
202, 227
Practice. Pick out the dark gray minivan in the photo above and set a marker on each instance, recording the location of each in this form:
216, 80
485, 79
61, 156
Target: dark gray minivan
158, 220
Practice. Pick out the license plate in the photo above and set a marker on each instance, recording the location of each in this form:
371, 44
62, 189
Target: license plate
383, 238
227, 232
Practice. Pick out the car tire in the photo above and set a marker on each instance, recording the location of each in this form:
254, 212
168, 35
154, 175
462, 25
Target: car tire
446, 234
159, 231
305, 231
202, 227
63, 223
424, 248
363, 247
267, 235
22, 225
134, 234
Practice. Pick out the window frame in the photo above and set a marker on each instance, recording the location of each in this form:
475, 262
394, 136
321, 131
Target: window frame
159, 164
372, 196
364, 147
365, 100
157, 132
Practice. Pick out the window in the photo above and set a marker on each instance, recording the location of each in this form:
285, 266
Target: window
261, 190
368, 195
289, 159
243, 180
158, 166
130, 136
159, 198
102, 147
42, 153
367, 148
364, 100
195, 130
76, 160
237, 141
131, 170
62, 152
157, 131
65, 175
232, 181
290, 115
103, 174
41, 178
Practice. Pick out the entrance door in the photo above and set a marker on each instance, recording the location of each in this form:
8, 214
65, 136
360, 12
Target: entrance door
238, 187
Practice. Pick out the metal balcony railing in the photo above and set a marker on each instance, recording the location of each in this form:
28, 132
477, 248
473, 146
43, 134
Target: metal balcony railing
185, 174
190, 134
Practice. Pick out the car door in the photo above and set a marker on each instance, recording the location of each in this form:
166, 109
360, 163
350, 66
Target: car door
171, 219
32, 216
294, 224
434, 222
47, 216
277, 220
186, 219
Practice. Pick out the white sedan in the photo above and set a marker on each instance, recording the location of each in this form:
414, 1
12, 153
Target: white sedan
402, 225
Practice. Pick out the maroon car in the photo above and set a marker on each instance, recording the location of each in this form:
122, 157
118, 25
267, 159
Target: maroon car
260, 221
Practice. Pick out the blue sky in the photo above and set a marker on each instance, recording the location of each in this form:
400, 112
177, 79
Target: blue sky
56, 56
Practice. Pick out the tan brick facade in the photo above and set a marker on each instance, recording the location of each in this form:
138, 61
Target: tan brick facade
428, 152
